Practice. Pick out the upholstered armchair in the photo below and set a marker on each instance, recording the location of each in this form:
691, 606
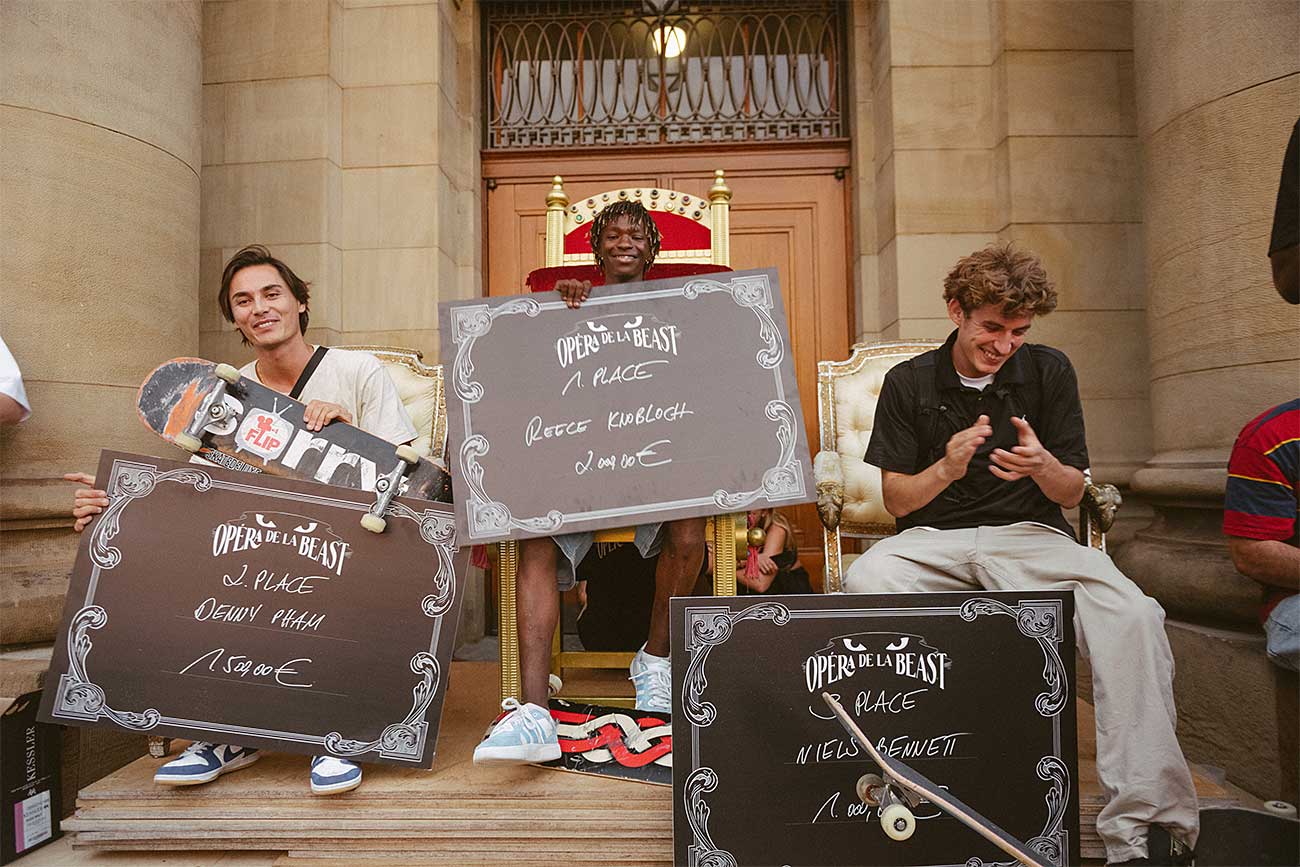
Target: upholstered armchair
849, 499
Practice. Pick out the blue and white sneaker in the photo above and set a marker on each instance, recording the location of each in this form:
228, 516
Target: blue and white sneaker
653, 678
526, 733
203, 762
331, 775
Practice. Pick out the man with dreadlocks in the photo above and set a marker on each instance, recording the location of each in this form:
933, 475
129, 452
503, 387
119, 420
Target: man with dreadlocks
625, 242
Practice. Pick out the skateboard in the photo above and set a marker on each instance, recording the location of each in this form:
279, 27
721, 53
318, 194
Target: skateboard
212, 411
617, 742
604, 741
902, 789
1235, 835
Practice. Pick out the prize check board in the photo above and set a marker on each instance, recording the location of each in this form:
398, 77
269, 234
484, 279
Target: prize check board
973, 690
652, 401
255, 610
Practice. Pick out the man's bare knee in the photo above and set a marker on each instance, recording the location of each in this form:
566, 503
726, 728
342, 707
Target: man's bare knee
684, 535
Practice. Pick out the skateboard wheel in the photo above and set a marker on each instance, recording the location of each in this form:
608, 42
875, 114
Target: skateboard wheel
1280, 808
868, 787
190, 443
373, 523
898, 822
408, 454
554, 685
228, 373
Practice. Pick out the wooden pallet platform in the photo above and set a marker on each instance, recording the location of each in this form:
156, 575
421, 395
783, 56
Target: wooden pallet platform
458, 814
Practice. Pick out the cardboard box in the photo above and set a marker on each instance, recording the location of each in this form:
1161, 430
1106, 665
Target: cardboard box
30, 791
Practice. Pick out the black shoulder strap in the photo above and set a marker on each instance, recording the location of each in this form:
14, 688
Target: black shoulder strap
307, 371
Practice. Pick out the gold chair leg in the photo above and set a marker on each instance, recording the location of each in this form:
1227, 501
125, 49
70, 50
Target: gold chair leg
724, 561
508, 619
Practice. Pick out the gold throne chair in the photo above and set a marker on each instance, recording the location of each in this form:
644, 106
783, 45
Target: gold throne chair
695, 240
849, 500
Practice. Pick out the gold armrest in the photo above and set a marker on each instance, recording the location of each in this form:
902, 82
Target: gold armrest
1100, 503
830, 488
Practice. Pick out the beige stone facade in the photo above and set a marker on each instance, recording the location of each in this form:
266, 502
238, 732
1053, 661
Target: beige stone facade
1135, 146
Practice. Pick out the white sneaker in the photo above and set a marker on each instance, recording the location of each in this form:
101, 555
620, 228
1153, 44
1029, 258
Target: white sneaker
653, 678
525, 734
203, 762
331, 775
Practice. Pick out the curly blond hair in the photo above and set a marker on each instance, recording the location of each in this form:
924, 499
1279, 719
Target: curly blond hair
1003, 276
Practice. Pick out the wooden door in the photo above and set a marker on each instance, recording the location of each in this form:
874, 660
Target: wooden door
789, 210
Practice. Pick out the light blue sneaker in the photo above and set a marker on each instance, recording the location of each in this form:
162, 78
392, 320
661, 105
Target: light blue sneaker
203, 762
525, 734
653, 678
331, 775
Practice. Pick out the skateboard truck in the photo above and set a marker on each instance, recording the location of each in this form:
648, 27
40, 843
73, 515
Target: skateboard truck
386, 488
895, 805
214, 410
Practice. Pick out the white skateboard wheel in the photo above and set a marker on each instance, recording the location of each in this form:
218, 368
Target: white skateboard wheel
554, 685
373, 523
1280, 808
408, 454
868, 787
898, 822
190, 443
228, 373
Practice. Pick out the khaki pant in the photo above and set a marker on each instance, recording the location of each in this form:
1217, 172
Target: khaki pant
1120, 629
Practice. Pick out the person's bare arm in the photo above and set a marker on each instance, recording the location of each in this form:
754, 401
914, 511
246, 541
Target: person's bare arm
905, 493
1267, 561
1060, 483
11, 411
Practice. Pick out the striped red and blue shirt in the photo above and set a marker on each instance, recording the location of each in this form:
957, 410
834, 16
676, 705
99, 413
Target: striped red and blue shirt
1260, 501
1263, 477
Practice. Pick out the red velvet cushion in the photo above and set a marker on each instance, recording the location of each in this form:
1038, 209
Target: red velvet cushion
677, 232
543, 279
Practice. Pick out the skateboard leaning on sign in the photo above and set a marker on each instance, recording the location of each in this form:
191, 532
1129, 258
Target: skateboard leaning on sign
211, 410
902, 789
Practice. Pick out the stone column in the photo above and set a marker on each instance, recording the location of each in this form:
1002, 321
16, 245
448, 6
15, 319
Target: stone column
99, 173
1217, 91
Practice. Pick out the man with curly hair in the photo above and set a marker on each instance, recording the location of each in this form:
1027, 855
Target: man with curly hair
625, 241
981, 444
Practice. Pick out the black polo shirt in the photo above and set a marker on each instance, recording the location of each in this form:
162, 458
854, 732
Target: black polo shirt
914, 423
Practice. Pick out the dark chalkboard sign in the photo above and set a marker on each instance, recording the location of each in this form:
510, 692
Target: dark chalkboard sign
255, 610
665, 399
974, 690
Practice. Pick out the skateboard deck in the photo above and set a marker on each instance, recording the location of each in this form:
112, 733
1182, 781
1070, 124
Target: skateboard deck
617, 742
919, 787
1234, 835
262, 430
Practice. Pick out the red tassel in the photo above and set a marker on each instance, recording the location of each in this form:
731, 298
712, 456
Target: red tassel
751, 561
478, 556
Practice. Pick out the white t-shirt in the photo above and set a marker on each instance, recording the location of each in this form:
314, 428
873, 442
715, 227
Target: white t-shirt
357, 382
11, 380
979, 383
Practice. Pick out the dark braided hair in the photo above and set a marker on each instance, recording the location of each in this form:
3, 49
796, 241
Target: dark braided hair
641, 219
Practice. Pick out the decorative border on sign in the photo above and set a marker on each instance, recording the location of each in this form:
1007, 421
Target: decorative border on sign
1042, 622
703, 852
710, 627
490, 519
79, 697
707, 630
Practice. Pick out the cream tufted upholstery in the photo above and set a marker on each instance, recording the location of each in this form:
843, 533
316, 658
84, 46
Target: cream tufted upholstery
848, 488
421, 388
